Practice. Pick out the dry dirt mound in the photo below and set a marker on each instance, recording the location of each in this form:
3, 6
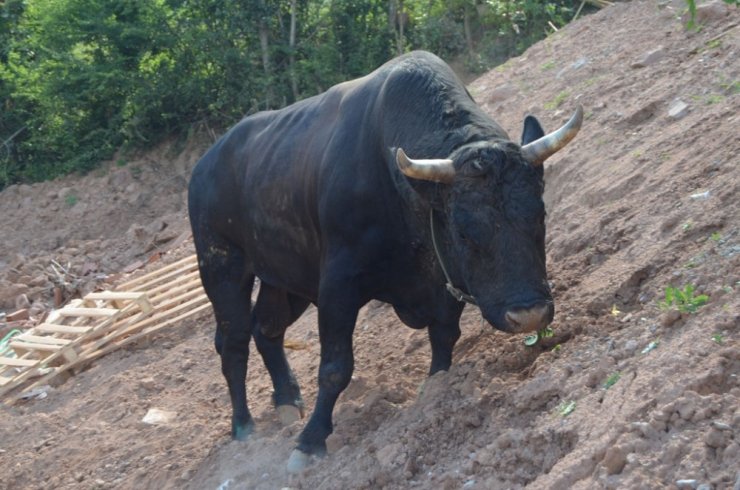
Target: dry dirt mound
625, 395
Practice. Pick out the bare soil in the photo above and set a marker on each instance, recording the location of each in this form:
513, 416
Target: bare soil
625, 395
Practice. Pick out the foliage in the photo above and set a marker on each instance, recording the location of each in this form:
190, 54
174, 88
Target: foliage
683, 299
612, 379
691, 5
80, 79
566, 408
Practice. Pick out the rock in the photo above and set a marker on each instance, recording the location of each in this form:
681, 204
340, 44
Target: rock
500, 94
650, 58
334, 443
677, 109
148, 384
390, 455
681, 484
670, 317
716, 438
22, 302
156, 416
614, 460
120, 179
21, 314
37, 308
721, 425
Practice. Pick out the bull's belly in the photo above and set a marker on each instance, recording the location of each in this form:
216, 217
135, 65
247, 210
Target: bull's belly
287, 269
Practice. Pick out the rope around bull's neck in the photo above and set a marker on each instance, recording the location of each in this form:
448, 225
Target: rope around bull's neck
455, 292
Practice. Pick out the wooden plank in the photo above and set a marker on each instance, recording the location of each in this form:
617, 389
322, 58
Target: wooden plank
53, 328
88, 356
160, 315
88, 312
151, 284
171, 293
26, 337
115, 295
18, 362
27, 346
190, 278
129, 285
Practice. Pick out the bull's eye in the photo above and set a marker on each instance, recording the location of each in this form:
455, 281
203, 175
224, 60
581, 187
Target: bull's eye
477, 168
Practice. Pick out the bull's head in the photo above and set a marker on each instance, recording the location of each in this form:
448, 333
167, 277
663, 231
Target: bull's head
494, 222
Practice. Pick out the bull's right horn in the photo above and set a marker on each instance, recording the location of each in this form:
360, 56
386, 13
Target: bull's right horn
539, 150
437, 170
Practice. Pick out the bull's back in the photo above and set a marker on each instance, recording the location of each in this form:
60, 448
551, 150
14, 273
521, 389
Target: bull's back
258, 188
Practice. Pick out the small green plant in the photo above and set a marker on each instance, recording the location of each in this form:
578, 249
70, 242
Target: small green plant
531, 340
612, 379
731, 87
691, 5
718, 338
557, 348
687, 226
71, 199
714, 43
716, 236
121, 162
566, 408
713, 99
556, 101
683, 299
548, 65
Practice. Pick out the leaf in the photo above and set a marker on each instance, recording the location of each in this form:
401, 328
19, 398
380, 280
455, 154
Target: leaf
566, 408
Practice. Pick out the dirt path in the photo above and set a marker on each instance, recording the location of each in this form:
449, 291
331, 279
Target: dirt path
625, 395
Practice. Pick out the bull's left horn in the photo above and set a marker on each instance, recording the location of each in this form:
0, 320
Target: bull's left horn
437, 170
539, 150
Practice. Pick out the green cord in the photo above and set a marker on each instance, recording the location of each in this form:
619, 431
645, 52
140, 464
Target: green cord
6, 340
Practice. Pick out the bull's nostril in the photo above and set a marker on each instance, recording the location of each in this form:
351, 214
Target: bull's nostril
511, 319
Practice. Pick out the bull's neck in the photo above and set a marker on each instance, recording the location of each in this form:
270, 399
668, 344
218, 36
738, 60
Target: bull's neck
456, 293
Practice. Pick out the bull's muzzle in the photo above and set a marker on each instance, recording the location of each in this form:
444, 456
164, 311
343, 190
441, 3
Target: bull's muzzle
523, 320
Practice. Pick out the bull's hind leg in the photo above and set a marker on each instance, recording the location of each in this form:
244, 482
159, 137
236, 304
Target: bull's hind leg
222, 272
274, 311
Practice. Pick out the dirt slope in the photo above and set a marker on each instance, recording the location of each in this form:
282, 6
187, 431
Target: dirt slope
625, 395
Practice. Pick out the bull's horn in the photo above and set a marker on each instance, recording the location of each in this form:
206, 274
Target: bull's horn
434, 170
539, 150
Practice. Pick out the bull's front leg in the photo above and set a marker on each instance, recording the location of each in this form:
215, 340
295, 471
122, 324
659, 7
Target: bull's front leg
339, 304
444, 333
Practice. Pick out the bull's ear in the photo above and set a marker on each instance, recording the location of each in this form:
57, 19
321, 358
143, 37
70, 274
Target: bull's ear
532, 130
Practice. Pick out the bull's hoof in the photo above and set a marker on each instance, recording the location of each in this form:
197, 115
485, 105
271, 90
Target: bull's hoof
288, 414
298, 461
240, 432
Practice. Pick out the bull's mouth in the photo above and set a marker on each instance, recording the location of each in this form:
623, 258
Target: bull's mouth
523, 319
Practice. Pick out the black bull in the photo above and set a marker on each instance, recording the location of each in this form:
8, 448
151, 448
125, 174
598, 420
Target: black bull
321, 203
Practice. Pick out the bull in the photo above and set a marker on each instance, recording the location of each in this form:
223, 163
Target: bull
395, 186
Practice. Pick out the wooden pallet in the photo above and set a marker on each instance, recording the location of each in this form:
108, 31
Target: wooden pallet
175, 293
103, 322
54, 346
